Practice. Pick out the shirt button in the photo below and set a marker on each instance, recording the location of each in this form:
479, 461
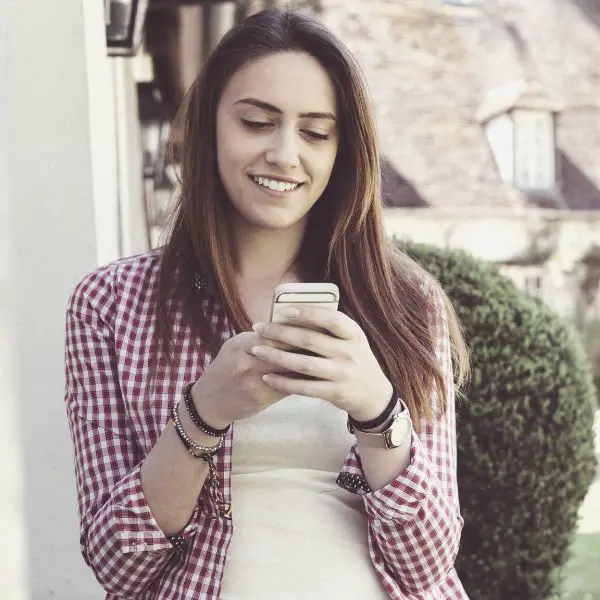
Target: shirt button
140, 547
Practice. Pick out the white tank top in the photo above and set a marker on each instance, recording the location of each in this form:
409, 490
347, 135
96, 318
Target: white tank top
296, 534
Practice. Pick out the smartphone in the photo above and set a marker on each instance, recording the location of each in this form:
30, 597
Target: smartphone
297, 294
312, 294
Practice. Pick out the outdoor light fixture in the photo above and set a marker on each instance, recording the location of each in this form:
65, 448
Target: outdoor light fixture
124, 23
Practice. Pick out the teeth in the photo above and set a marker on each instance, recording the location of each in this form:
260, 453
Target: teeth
275, 185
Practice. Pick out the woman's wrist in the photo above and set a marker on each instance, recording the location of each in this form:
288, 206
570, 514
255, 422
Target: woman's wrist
208, 410
375, 407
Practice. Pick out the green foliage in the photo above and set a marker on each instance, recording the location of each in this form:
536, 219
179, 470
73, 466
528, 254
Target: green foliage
591, 342
525, 441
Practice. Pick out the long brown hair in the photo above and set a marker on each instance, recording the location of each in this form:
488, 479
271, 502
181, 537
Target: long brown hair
381, 288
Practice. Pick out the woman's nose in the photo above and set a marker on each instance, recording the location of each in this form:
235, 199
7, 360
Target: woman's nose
284, 152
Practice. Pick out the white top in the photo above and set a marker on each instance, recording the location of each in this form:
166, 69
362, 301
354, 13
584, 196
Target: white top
296, 534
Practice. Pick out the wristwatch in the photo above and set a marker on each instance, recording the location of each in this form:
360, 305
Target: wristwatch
393, 436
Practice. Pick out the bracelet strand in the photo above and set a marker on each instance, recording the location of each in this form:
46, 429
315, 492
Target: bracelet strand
194, 449
196, 419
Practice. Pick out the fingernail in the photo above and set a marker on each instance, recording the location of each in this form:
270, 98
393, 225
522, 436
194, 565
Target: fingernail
258, 327
289, 311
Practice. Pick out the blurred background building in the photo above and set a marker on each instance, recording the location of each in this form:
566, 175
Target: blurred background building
488, 114
489, 121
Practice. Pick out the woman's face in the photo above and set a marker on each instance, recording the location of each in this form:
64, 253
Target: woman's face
277, 139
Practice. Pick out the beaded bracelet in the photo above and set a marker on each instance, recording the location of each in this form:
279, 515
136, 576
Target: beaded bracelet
196, 419
196, 450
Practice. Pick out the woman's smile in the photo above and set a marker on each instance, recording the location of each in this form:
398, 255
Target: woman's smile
275, 186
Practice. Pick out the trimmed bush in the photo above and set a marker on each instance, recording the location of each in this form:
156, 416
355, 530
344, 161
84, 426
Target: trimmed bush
591, 343
525, 440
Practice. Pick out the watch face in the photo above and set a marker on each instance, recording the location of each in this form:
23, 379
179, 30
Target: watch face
399, 432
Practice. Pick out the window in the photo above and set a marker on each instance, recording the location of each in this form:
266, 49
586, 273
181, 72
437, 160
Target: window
533, 284
528, 278
534, 150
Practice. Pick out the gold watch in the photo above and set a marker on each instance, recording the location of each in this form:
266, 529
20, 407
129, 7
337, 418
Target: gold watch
393, 436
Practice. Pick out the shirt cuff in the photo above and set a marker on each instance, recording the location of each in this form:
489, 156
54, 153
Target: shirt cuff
402, 498
137, 529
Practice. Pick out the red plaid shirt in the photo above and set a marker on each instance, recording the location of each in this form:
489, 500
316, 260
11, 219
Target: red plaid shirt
115, 419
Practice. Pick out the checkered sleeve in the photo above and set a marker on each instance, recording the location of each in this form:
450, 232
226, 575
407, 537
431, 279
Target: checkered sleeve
415, 522
120, 539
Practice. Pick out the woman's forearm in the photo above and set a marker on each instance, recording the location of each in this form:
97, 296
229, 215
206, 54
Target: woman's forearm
381, 465
172, 479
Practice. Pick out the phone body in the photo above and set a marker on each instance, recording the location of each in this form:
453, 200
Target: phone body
297, 294
326, 295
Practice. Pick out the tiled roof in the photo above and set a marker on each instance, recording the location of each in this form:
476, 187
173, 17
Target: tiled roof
429, 68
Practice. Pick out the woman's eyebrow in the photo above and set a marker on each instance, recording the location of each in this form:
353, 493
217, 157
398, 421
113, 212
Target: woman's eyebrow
274, 109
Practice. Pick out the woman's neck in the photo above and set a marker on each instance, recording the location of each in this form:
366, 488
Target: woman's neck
266, 256
263, 260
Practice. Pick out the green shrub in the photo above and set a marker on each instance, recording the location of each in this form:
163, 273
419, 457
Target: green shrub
591, 342
525, 440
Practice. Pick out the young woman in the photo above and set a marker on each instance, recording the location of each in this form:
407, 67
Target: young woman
212, 462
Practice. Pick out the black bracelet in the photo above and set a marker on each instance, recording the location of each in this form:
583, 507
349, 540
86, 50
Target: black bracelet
196, 419
377, 421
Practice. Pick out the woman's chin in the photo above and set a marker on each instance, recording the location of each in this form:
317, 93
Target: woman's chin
273, 219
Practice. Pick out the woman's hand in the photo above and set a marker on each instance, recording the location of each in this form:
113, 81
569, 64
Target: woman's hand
346, 372
232, 387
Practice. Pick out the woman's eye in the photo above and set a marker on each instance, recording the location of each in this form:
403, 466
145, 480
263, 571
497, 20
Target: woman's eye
313, 135
256, 125
264, 125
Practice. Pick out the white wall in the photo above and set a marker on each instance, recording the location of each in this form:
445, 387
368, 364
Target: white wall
503, 236
58, 195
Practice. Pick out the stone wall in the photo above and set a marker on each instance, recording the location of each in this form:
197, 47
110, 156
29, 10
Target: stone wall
528, 244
